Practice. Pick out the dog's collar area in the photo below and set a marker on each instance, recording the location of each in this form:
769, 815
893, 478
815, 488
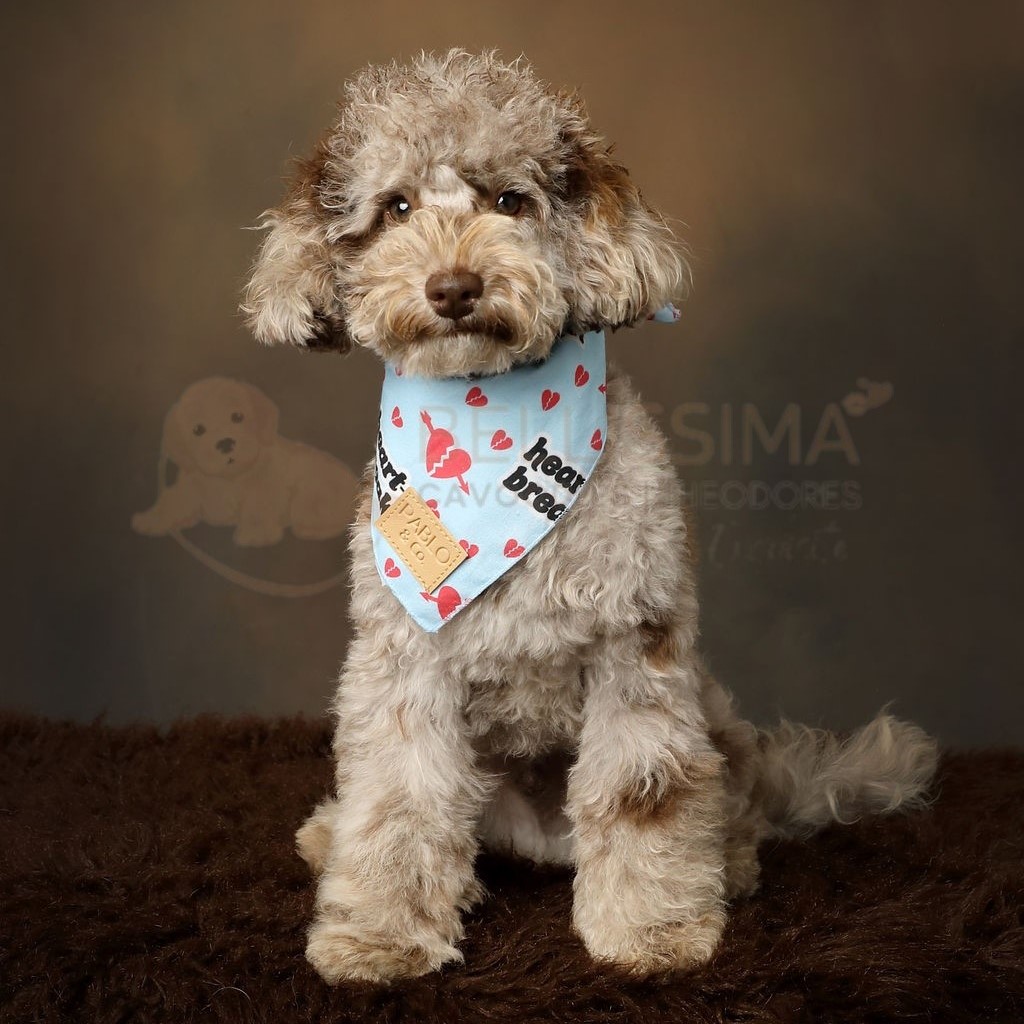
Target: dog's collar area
565, 333
570, 329
512, 369
472, 472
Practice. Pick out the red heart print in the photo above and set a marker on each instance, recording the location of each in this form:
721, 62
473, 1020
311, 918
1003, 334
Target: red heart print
595, 441
444, 461
549, 399
447, 600
396, 416
602, 388
432, 505
391, 570
470, 549
581, 376
513, 549
500, 441
475, 397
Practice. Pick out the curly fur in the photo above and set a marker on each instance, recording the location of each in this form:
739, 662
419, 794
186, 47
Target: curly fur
579, 669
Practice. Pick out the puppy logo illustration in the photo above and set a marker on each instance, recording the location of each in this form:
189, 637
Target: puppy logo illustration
233, 468
444, 461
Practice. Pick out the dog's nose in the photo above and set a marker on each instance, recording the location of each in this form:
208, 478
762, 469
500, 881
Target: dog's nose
453, 292
226, 445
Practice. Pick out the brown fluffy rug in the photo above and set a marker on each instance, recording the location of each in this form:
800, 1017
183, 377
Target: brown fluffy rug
148, 876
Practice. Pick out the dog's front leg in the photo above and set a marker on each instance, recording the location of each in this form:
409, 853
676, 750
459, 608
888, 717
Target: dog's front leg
399, 867
177, 508
646, 800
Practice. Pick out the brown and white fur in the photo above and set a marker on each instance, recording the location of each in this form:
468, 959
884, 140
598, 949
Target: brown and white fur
565, 715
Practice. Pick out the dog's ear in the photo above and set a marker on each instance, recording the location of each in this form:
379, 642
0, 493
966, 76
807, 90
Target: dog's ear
292, 295
176, 443
266, 413
625, 261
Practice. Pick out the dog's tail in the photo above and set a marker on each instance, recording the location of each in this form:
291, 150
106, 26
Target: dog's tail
810, 777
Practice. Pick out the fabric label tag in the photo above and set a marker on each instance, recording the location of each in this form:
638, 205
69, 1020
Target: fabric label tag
420, 539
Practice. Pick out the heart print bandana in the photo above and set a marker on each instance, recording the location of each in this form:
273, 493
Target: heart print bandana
472, 473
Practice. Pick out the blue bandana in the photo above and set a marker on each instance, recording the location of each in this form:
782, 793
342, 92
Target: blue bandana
472, 473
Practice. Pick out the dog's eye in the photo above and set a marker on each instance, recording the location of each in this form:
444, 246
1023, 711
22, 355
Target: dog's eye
510, 203
237, 417
399, 208
199, 430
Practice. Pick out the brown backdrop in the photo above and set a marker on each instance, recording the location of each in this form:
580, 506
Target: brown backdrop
848, 177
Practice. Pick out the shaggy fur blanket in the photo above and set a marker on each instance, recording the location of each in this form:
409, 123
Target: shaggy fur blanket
150, 875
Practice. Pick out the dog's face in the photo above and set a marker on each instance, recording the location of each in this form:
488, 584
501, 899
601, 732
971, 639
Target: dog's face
456, 219
219, 426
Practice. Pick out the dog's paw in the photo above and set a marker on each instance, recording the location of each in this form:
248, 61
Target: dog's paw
742, 871
313, 839
650, 950
150, 525
258, 535
342, 952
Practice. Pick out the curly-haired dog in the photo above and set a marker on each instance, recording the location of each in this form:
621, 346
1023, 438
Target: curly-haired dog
235, 469
458, 218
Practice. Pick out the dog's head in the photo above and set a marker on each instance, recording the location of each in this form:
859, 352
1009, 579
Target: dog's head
457, 218
219, 426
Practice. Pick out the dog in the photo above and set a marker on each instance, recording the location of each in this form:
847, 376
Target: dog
235, 469
456, 219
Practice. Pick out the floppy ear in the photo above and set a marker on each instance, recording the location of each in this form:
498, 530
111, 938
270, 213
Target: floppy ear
175, 444
292, 295
625, 261
266, 412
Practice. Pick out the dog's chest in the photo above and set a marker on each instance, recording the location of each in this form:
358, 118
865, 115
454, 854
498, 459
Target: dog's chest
221, 501
525, 645
532, 708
